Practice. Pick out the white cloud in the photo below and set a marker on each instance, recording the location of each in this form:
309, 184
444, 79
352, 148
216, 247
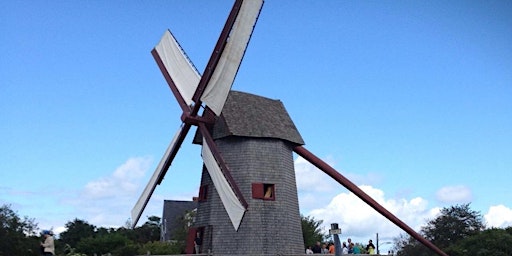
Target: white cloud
107, 201
310, 178
324, 199
454, 194
499, 216
361, 222
124, 180
314, 187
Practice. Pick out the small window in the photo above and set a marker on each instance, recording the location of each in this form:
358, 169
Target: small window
263, 191
203, 193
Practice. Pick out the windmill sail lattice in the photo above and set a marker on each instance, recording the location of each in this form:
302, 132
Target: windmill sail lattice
216, 91
179, 69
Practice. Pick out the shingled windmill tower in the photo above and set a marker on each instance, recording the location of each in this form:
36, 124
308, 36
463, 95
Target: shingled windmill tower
256, 137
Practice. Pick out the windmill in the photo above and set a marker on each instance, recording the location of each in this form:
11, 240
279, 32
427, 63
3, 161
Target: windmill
249, 223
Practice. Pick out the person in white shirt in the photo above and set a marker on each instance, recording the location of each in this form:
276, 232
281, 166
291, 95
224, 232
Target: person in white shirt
48, 246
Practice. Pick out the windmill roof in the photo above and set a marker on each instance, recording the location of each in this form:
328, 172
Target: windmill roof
250, 115
173, 208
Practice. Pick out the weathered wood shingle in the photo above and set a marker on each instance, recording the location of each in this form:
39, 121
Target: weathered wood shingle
249, 115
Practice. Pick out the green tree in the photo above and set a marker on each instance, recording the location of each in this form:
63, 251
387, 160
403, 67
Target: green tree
17, 235
161, 248
180, 232
492, 241
104, 244
149, 231
407, 245
75, 231
451, 226
311, 231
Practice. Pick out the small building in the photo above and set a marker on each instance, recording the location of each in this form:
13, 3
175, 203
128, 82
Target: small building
172, 218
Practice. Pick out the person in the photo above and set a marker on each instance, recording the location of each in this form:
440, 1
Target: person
317, 248
350, 246
324, 249
48, 245
309, 251
197, 243
344, 249
332, 250
355, 249
370, 248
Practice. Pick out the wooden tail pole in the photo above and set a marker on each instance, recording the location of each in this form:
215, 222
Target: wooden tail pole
365, 197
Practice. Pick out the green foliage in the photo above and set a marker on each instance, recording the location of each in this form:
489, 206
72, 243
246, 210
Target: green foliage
69, 251
148, 232
458, 230
84, 239
128, 250
153, 221
183, 224
17, 235
493, 241
161, 248
107, 243
311, 231
77, 230
407, 245
452, 225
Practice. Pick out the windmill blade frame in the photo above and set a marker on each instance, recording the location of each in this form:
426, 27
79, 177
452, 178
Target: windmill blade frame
178, 70
159, 173
219, 85
241, 28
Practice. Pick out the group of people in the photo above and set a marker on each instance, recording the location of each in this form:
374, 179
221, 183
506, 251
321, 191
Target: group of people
347, 248
327, 248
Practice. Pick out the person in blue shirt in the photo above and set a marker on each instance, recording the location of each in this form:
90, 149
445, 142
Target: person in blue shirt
356, 249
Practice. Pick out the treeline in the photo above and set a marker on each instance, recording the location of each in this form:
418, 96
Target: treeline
20, 236
457, 230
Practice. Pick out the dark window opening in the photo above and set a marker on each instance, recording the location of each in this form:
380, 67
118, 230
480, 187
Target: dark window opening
263, 191
203, 193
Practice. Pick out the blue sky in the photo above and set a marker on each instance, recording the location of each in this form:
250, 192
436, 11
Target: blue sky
409, 99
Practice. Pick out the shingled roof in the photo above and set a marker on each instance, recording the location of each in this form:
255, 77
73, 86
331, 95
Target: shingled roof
173, 210
249, 115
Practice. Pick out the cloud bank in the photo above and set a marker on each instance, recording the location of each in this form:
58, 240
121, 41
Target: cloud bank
107, 201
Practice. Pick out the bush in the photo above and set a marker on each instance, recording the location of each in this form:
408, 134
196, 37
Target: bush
162, 248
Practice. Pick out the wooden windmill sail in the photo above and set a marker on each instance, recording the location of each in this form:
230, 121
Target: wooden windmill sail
191, 90
209, 92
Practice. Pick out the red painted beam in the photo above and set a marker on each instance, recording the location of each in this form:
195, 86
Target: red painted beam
363, 196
